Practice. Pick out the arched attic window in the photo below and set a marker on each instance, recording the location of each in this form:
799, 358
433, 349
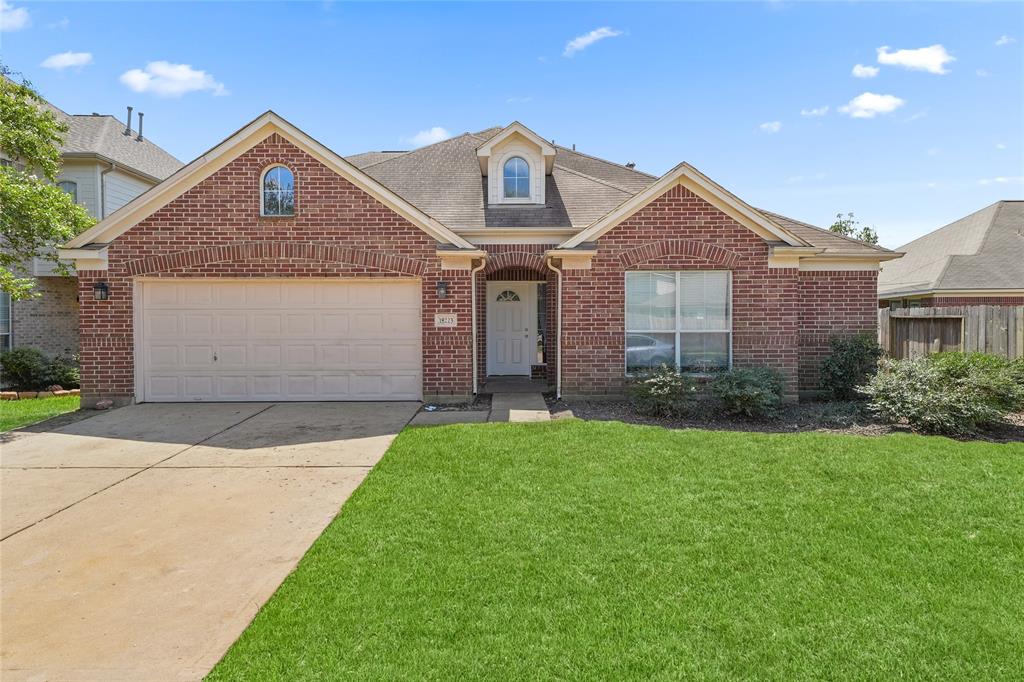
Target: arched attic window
277, 192
516, 175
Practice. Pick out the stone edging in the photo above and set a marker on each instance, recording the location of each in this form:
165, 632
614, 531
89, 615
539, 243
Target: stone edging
28, 395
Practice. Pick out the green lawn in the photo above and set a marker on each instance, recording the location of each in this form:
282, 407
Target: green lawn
17, 413
586, 550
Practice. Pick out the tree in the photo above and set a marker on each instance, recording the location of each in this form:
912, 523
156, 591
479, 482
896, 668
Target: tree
35, 214
851, 227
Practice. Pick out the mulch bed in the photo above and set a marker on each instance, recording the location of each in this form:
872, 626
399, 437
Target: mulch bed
850, 418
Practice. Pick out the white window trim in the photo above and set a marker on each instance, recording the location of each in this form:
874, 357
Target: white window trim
295, 191
496, 176
676, 330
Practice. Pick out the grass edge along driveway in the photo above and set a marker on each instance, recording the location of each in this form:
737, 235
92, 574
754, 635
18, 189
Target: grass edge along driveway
609, 551
15, 414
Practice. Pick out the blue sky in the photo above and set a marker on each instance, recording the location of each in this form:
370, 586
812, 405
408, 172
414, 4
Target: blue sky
736, 89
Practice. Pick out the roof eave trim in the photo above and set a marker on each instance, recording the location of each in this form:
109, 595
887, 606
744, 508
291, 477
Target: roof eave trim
231, 148
684, 173
121, 165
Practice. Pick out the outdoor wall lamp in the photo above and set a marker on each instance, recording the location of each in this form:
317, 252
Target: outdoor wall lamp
442, 289
100, 291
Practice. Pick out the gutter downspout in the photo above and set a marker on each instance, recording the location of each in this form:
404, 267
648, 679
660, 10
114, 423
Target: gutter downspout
472, 316
558, 333
103, 190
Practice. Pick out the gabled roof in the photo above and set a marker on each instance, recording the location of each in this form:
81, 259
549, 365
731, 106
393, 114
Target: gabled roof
982, 251
234, 146
103, 136
704, 187
516, 129
444, 180
100, 135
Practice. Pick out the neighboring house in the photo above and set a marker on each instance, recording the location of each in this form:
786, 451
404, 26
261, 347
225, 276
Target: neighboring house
104, 165
977, 260
271, 268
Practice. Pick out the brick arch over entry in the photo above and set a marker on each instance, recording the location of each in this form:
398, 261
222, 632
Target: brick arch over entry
243, 251
514, 259
678, 247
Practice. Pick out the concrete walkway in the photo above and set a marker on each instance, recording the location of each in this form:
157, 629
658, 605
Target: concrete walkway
518, 407
139, 544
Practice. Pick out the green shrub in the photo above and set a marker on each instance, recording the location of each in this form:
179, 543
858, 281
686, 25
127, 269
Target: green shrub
24, 369
947, 393
751, 392
852, 362
663, 392
63, 372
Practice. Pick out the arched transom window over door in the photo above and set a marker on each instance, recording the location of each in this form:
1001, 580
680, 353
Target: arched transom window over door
517, 178
507, 296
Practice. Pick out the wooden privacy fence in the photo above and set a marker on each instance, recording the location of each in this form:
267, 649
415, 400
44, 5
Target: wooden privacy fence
913, 332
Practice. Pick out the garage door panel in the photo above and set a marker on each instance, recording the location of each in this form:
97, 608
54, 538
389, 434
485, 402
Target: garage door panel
232, 325
197, 324
207, 340
162, 325
198, 356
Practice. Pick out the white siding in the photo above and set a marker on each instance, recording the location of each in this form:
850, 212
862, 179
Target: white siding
86, 176
121, 188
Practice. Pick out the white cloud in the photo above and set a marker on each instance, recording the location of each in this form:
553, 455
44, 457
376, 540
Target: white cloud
1005, 40
861, 71
61, 23
932, 59
13, 18
1002, 180
518, 100
65, 60
914, 117
869, 105
580, 43
1000, 146
428, 136
982, 73
817, 111
171, 80
771, 127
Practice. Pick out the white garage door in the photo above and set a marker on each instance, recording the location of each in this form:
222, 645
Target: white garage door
278, 340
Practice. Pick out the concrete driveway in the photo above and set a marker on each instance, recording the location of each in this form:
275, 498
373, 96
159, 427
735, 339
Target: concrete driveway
138, 544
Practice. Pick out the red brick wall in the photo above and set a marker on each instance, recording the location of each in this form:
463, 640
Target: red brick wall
215, 230
833, 303
518, 263
681, 231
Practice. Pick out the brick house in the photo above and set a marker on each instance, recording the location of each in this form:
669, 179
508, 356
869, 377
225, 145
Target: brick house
271, 268
977, 260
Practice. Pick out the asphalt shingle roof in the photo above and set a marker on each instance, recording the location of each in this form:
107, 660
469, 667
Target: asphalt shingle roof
832, 242
984, 250
444, 181
104, 135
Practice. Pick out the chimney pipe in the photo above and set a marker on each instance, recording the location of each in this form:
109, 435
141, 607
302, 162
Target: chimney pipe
139, 138
128, 125
574, 146
631, 164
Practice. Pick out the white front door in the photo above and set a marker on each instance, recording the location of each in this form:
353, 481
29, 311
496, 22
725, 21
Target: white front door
511, 341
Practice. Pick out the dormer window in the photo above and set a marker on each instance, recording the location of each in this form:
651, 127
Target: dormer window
517, 178
516, 163
278, 189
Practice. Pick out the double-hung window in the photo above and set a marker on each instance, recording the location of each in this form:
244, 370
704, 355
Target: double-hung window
682, 319
5, 322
